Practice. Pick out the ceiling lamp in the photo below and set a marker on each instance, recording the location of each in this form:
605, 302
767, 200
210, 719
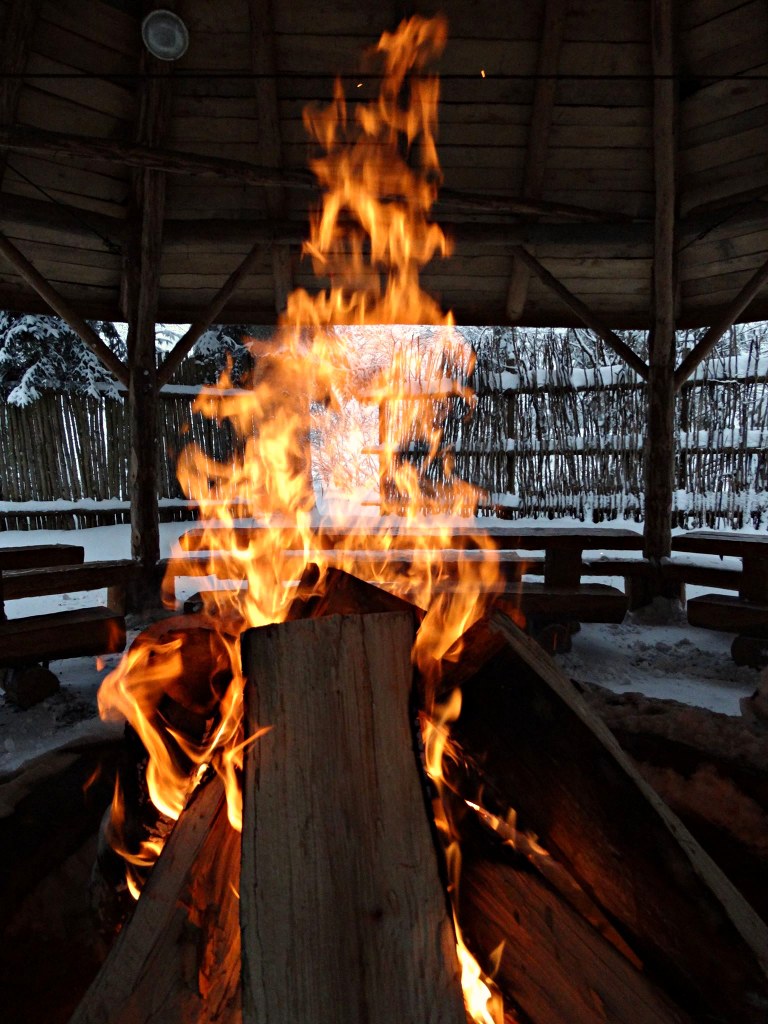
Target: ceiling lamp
165, 35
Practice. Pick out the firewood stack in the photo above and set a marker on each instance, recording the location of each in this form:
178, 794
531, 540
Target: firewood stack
579, 888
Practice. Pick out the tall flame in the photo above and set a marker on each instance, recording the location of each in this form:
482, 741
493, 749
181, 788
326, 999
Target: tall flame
378, 168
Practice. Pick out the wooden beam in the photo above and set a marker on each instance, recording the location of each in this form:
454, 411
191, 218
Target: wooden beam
201, 323
264, 66
728, 317
538, 135
62, 308
583, 312
660, 446
59, 145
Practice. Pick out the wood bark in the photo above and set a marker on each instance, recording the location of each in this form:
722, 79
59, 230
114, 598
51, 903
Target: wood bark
659, 462
342, 910
565, 775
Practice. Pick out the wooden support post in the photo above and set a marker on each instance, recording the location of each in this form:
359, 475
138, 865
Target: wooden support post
659, 442
343, 914
538, 136
543, 753
141, 285
592, 320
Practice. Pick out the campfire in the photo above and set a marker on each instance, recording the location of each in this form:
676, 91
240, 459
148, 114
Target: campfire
348, 760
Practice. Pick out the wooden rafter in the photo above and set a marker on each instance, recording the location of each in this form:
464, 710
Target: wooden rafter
62, 308
538, 135
660, 449
728, 317
186, 342
65, 146
264, 65
585, 314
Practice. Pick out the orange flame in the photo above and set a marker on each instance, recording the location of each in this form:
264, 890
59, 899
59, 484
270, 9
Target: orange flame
379, 171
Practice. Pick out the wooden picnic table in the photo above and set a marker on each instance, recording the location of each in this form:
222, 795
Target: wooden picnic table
751, 548
563, 547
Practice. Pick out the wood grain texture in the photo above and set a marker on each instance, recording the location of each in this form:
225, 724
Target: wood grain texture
343, 914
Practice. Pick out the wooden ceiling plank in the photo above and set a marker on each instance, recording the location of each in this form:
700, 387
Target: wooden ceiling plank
62, 308
18, 27
264, 66
586, 315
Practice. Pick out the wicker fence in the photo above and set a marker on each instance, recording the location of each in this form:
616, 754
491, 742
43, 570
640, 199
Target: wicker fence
554, 441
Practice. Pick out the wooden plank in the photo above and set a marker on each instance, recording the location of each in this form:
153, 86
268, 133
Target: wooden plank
37, 582
102, 23
726, 612
36, 556
734, 26
336, 917
569, 782
57, 635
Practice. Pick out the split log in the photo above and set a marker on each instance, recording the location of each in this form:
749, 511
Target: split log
177, 959
557, 764
343, 913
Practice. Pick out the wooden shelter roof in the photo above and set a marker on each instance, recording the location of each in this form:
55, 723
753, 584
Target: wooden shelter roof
546, 139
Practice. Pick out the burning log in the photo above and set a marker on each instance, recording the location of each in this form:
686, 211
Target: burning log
343, 913
178, 957
546, 755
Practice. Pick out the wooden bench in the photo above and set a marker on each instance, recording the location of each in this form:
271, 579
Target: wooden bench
639, 575
37, 639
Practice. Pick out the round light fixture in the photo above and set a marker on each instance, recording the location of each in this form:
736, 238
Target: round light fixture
165, 35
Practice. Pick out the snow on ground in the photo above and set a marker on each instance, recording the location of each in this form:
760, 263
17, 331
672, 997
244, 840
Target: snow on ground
669, 659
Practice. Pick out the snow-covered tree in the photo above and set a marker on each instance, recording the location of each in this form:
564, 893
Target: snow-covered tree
39, 353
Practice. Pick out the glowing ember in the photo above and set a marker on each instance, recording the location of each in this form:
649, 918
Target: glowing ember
379, 171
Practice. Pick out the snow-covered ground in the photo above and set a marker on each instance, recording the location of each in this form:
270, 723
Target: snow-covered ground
669, 659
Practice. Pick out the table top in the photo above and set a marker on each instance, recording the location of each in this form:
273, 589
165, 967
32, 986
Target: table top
459, 537
717, 542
